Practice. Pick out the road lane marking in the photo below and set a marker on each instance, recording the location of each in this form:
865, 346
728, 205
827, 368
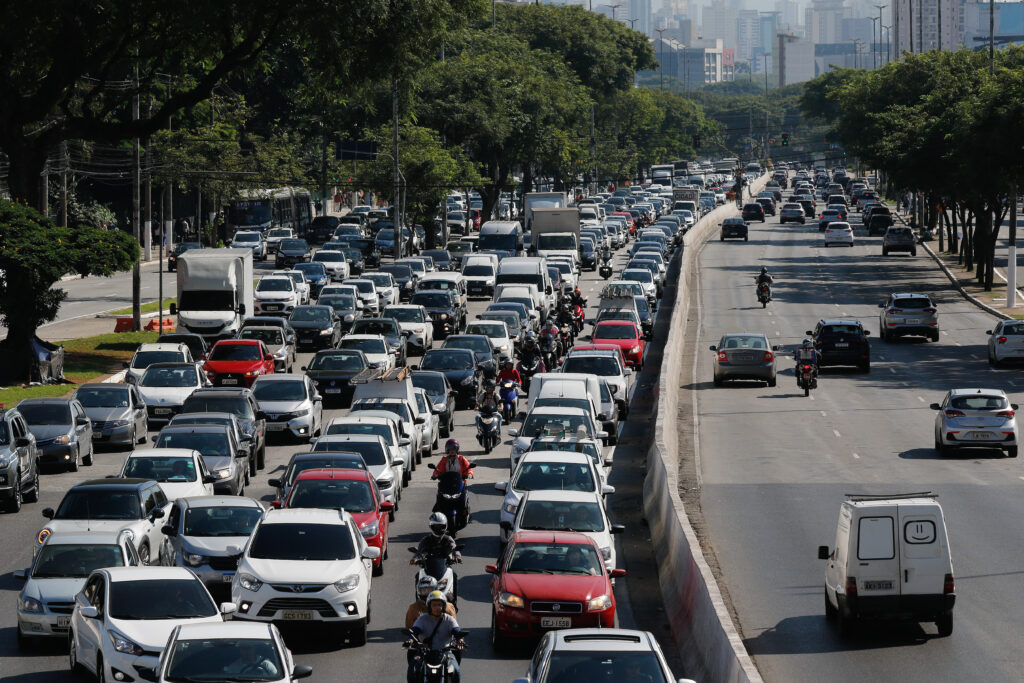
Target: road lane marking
856, 457
1012, 382
881, 358
836, 432
920, 399
823, 413
974, 355
892, 370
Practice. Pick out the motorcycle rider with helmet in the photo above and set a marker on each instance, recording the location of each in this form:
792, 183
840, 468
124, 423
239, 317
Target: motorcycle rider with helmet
438, 543
452, 462
436, 630
508, 373
425, 586
764, 277
806, 353
576, 298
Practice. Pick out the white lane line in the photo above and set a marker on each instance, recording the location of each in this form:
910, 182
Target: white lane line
811, 397
920, 399
1012, 382
777, 333
836, 432
974, 355
823, 413
904, 384
881, 358
958, 343
892, 370
856, 457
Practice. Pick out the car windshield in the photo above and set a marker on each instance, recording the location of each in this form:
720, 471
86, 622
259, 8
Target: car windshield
280, 232
169, 469
478, 271
215, 444
382, 327
279, 390
308, 542
978, 402
433, 384
361, 429
399, 271
45, 413
365, 345
437, 284
207, 300
275, 284
170, 377
208, 522
592, 365
223, 660
405, 315
431, 300
554, 558
143, 359
238, 406
163, 599
99, 504
572, 666
294, 245
353, 255
311, 314
488, 330
398, 409
603, 331
75, 560
338, 362
547, 476
102, 397
363, 286
311, 269
545, 515
372, 451
548, 424
439, 359
381, 280
353, 496
235, 352
638, 275
342, 305
329, 257
386, 236
269, 336
246, 237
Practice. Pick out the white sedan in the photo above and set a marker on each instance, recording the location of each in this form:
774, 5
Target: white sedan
376, 348
180, 472
839, 233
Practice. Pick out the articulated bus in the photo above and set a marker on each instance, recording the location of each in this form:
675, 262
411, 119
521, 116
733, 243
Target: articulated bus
283, 207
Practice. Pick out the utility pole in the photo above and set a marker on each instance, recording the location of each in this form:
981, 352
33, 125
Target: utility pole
874, 42
888, 43
394, 155
136, 217
991, 36
1011, 261
64, 185
896, 21
880, 27
661, 61
147, 238
494, 13
910, 17
938, 21
920, 25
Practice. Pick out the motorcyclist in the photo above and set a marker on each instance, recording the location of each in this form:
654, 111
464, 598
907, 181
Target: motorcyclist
508, 373
550, 330
530, 353
489, 401
806, 353
424, 587
764, 277
436, 629
577, 298
438, 543
452, 462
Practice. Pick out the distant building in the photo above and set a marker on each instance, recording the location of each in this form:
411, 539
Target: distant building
924, 22
640, 10
824, 20
718, 20
748, 35
794, 58
1009, 21
690, 66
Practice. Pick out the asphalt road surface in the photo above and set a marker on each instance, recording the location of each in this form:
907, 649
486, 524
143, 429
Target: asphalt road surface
775, 465
382, 658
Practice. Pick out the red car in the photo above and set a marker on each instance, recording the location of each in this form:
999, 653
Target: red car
550, 580
625, 335
353, 490
600, 347
238, 362
476, 215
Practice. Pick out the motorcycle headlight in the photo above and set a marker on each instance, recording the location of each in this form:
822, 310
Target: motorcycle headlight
30, 605
123, 644
347, 583
249, 582
510, 508
599, 603
512, 600
193, 559
370, 530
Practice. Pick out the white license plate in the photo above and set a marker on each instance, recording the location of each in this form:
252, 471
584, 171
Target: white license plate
63, 622
332, 391
306, 340
878, 585
911, 321
161, 411
229, 381
842, 345
981, 436
556, 622
297, 615
227, 578
271, 427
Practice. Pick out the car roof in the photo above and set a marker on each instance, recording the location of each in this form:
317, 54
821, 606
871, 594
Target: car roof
163, 453
149, 573
364, 336
307, 515
906, 295
46, 400
76, 537
280, 377
552, 537
564, 496
221, 501
335, 438
973, 391
212, 391
194, 429
603, 639
238, 342
160, 346
225, 630
113, 483
839, 322
359, 417
324, 473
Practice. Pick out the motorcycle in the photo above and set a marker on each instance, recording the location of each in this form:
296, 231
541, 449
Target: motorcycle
605, 270
528, 370
436, 665
509, 398
549, 350
764, 293
806, 378
565, 338
579, 317
488, 429
452, 499
440, 568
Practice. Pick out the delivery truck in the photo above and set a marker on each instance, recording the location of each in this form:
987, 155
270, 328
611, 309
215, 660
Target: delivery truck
556, 232
541, 200
215, 292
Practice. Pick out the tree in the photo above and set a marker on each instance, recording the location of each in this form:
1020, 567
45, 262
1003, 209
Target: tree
34, 255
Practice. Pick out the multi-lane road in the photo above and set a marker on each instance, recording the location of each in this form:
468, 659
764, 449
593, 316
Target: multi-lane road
774, 465
382, 658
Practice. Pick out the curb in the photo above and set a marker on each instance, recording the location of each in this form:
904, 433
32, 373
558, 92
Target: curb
68, 278
956, 283
116, 377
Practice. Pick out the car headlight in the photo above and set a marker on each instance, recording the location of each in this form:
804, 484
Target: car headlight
30, 605
42, 535
418, 330
466, 382
599, 603
249, 582
510, 508
385, 483
252, 373
348, 583
195, 559
327, 331
64, 438
281, 352
349, 318
370, 530
445, 316
635, 349
606, 553
512, 600
222, 474
123, 644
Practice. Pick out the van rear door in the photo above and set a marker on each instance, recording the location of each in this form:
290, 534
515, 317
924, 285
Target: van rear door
875, 561
924, 556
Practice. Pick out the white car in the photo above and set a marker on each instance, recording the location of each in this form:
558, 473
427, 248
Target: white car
58, 572
274, 237
646, 280
416, 321
408, 415
374, 346
154, 352
1005, 342
320, 551
232, 651
975, 418
385, 469
180, 472
275, 295
496, 333
165, 386
548, 470
301, 286
838, 233
555, 510
551, 421
387, 290
123, 616
344, 290
386, 425
291, 403
334, 263
366, 292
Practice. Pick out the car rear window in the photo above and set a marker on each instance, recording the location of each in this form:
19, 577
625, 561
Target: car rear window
917, 302
1015, 329
979, 402
836, 330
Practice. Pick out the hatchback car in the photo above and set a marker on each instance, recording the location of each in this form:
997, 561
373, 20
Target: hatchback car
241, 404
180, 472
975, 418
150, 353
387, 470
838, 233
899, 238
331, 371
275, 295
842, 342
316, 326
578, 511
279, 345
734, 228
828, 216
238, 362
379, 354
165, 386
62, 431
744, 356
752, 211
908, 314
225, 458
792, 213
290, 252
1005, 342
390, 329
625, 335
415, 325
300, 462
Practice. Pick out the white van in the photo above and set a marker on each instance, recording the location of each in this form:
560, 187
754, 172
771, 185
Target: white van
528, 270
891, 560
452, 282
480, 271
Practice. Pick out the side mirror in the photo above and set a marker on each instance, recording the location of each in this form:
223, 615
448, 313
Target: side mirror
628, 372
616, 573
124, 364
303, 368
607, 490
23, 442
513, 432
301, 671
617, 528
881, 305
209, 479
247, 437
608, 462
241, 309
276, 483
89, 612
404, 442
228, 608
168, 530
154, 438
82, 421
823, 552
174, 309
867, 333
420, 420
809, 333
157, 514
370, 553
21, 574
491, 568
242, 453
501, 486
601, 434
988, 331
398, 462
1014, 406
48, 513
387, 506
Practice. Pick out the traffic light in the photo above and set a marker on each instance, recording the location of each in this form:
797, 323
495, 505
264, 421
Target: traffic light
785, 139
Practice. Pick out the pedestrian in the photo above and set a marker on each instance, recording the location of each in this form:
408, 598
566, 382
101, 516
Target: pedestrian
319, 206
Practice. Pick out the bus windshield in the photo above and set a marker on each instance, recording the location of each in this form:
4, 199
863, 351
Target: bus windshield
249, 212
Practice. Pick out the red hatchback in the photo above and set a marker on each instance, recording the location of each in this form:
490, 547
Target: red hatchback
625, 335
353, 490
550, 580
238, 362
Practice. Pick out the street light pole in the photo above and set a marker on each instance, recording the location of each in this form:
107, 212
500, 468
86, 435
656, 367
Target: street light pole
874, 42
991, 36
888, 43
880, 27
661, 61
910, 18
614, 6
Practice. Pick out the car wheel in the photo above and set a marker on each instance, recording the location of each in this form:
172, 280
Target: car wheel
76, 463
378, 570
772, 382
844, 624
261, 456
357, 634
101, 674
1011, 452
865, 366
945, 624
87, 460
250, 471
135, 438
33, 495
913, 252
144, 554
497, 643
73, 663
14, 503
885, 252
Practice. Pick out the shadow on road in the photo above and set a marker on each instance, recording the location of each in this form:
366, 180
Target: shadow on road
812, 634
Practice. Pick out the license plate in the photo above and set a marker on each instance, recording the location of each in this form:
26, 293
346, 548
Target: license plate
911, 321
161, 411
842, 345
229, 381
271, 427
63, 622
332, 391
297, 615
981, 436
272, 307
556, 622
227, 578
878, 585
306, 340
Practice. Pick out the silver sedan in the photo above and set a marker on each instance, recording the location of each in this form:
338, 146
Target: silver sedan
745, 355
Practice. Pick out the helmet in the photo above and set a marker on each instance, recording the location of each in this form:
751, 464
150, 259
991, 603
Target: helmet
438, 523
807, 342
576, 291
764, 270
425, 585
450, 444
507, 362
437, 596
489, 384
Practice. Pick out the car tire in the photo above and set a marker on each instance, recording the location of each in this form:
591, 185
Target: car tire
772, 382
357, 634
944, 623
1011, 452
73, 662
87, 460
913, 252
135, 438
144, 554
33, 495
378, 570
250, 471
885, 252
497, 643
76, 463
717, 381
14, 502
261, 456
865, 366
844, 624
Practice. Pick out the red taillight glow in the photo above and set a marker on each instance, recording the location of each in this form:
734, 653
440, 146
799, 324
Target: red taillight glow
954, 413
1005, 413
948, 585
768, 356
1001, 340
851, 587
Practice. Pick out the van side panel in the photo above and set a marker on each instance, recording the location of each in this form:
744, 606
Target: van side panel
925, 550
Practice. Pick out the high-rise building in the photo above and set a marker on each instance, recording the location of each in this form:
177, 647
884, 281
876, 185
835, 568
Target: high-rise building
823, 19
718, 20
916, 24
1008, 21
748, 34
793, 57
640, 11
789, 13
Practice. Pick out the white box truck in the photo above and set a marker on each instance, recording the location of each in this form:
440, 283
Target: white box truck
556, 232
215, 291
541, 200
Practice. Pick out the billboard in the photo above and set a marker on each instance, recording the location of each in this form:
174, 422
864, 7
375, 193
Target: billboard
729, 57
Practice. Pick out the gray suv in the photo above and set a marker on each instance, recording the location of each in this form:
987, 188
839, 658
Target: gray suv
908, 314
899, 238
19, 463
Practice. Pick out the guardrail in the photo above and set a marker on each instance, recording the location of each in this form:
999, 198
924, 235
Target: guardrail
711, 648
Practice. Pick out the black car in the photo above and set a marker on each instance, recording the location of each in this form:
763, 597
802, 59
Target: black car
331, 371
588, 255
768, 203
172, 258
389, 329
301, 462
842, 342
643, 309
368, 248
345, 307
442, 259
322, 228
316, 326
459, 366
807, 202
752, 211
356, 261
223, 455
404, 279
241, 404
290, 252
479, 345
735, 228
195, 343
316, 276
879, 224
269, 321
441, 395
443, 307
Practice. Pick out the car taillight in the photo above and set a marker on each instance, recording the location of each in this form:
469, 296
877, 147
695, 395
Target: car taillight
722, 355
895, 310
851, 587
768, 356
948, 585
954, 413
1001, 340
1005, 413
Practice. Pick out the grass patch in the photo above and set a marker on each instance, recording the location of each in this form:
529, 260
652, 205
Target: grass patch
85, 360
145, 308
